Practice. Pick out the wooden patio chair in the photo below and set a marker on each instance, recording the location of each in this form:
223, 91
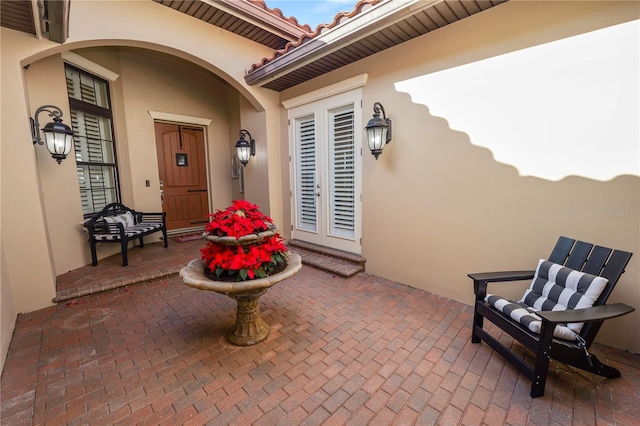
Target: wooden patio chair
552, 319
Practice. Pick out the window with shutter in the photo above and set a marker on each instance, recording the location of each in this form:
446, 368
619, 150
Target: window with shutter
94, 145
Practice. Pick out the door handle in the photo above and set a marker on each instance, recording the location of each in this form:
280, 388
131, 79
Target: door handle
161, 196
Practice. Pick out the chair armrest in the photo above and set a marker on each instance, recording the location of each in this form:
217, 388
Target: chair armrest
492, 277
594, 313
481, 279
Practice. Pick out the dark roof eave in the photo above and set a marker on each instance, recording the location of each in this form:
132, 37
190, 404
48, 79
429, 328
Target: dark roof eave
368, 22
286, 67
262, 18
20, 15
58, 20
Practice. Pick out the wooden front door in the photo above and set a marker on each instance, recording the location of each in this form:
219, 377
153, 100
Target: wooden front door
183, 175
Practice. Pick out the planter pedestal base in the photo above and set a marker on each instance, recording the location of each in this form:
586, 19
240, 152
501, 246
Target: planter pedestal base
249, 327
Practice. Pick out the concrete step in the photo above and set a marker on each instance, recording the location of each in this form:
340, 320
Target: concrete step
338, 262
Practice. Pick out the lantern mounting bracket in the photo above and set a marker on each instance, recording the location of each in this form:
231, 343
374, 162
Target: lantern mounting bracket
54, 112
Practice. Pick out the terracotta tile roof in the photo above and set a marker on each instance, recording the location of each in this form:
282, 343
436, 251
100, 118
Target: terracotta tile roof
340, 18
278, 13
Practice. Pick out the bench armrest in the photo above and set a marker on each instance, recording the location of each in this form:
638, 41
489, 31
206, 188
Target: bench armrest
103, 228
594, 313
481, 279
150, 217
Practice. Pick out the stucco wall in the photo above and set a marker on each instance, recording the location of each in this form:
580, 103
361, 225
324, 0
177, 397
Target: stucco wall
7, 309
24, 235
45, 82
436, 206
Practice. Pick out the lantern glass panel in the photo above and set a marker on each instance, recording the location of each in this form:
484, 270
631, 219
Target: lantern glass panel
377, 137
244, 152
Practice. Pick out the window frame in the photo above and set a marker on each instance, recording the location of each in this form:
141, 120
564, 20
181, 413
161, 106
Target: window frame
86, 107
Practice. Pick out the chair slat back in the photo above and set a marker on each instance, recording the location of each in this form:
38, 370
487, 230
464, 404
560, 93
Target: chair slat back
597, 259
578, 255
612, 271
561, 250
601, 261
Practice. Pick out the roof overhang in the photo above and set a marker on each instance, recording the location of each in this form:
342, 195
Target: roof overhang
249, 19
381, 26
49, 18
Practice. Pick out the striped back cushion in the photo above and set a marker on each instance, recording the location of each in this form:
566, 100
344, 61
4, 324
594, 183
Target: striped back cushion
554, 288
558, 288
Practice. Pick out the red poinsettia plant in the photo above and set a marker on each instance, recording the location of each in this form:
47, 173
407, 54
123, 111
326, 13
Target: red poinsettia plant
256, 259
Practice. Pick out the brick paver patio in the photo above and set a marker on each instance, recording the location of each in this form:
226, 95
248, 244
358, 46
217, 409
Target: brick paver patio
358, 351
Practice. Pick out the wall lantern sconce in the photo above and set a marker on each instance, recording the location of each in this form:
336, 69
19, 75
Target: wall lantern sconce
245, 148
378, 130
57, 136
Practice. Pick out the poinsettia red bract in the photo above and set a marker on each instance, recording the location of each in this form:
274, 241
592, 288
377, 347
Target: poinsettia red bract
245, 262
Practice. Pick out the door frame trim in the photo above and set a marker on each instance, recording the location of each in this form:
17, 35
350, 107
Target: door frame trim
326, 92
179, 119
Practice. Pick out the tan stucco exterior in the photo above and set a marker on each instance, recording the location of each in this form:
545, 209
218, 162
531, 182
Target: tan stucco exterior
435, 206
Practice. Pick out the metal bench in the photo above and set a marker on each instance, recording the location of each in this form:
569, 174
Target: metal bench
117, 223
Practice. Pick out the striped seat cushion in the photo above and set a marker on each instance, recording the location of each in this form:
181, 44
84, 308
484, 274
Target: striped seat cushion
131, 231
554, 288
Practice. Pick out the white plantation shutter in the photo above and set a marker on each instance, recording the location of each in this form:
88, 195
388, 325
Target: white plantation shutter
305, 139
86, 88
342, 172
94, 146
96, 166
94, 142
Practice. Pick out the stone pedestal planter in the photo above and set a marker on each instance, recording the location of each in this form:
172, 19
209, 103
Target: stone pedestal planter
249, 327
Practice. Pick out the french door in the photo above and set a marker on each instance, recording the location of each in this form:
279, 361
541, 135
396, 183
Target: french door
326, 169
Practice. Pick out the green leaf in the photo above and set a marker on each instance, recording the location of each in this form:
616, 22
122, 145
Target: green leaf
219, 271
243, 273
